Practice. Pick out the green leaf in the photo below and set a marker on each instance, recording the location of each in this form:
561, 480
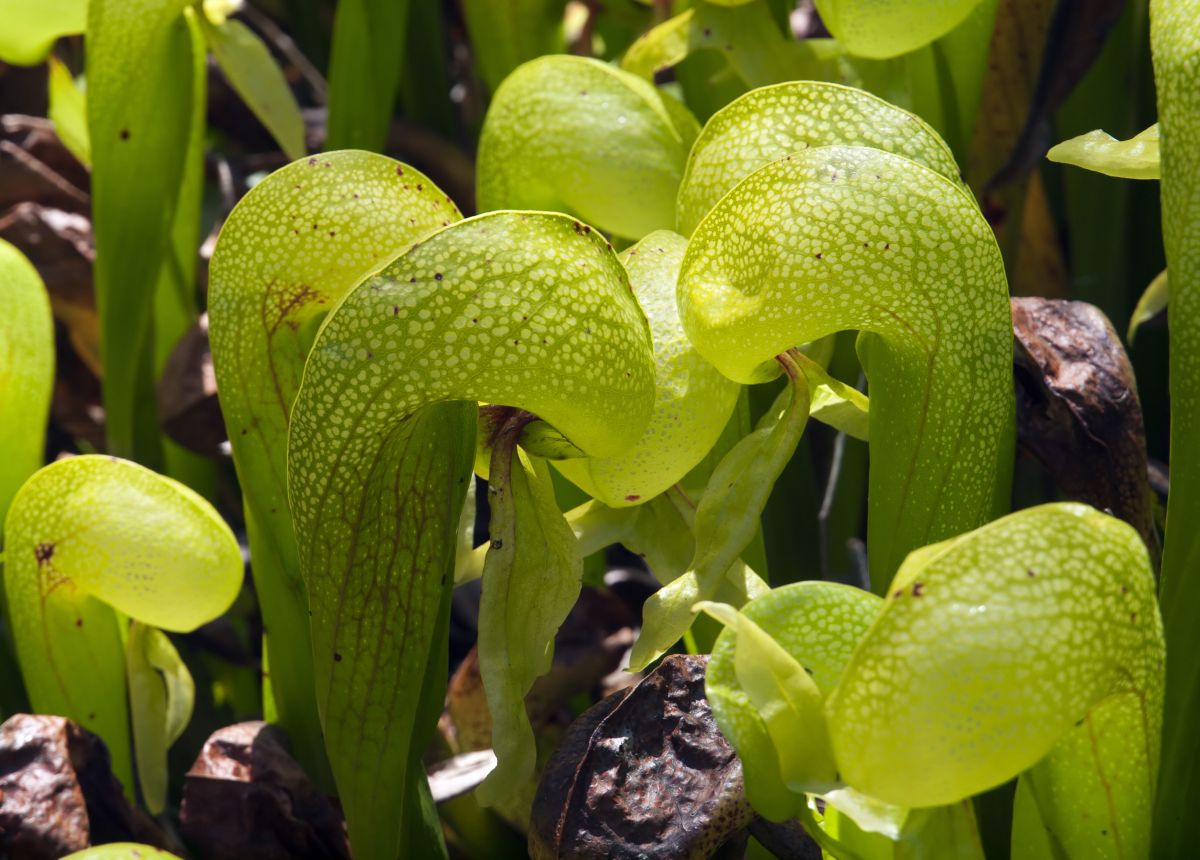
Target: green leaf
693, 400
89, 540
841, 237
26, 371
727, 518
122, 851
161, 695
818, 624
175, 308
531, 579
1151, 303
990, 648
748, 38
1175, 46
253, 73
576, 135
1136, 158
364, 72
879, 29
1091, 797
140, 98
834, 402
521, 309
293, 246
68, 112
31, 29
770, 123
787, 700
506, 33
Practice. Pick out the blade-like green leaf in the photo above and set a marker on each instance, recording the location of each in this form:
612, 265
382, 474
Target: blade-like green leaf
26, 371
727, 519
1152, 302
887, 28
139, 106
506, 33
161, 695
531, 579
364, 72
693, 402
770, 123
1175, 44
524, 309
990, 648
31, 29
89, 540
749, 38
253, 73
175, 307
1136, 158
68, 112
577, 135
834, 402
836, 238
290, 250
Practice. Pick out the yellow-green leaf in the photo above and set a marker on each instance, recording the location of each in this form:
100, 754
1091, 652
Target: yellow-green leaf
68, 112
1152, 302
256, 77
293, 246
693, 400
1136, 158
988, 651
520, 309
842, 237
26, 371
122, 851
879, 29
88, 541
161, 695
31, 28
770, 123
819, 625
579, 136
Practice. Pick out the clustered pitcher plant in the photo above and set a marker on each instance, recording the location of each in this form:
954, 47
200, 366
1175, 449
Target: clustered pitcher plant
632, 277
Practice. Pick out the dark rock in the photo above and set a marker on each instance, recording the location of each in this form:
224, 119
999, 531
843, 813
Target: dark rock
643, 774
1078, 411
246, 797
58, 793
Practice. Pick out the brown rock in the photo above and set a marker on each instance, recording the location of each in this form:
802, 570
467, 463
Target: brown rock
58, 793
643, 774
1078, 411
246, 797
